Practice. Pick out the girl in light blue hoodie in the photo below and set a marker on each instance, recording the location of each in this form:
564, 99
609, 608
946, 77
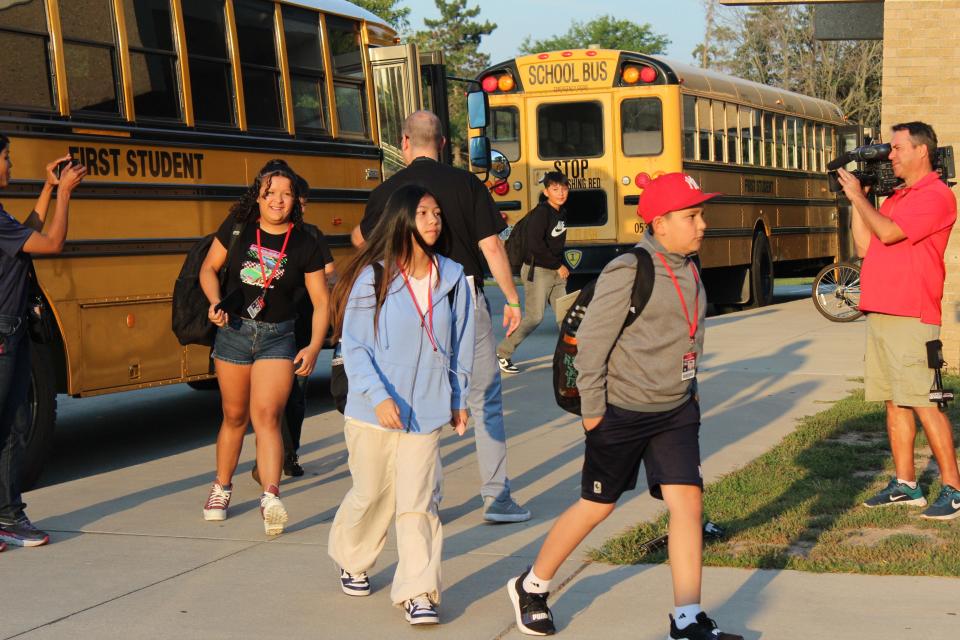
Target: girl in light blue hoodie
405, 318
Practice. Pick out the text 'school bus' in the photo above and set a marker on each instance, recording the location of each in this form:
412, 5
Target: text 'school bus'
602, 117
173, 106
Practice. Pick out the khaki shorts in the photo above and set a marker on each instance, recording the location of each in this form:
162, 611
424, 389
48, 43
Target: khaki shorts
896, 360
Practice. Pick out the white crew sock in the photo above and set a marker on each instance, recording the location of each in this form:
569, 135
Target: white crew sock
686, 615
911, 484
533, 584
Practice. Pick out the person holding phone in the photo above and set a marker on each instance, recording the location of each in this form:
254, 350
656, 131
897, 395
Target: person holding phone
255, 352
18, 242
406, 320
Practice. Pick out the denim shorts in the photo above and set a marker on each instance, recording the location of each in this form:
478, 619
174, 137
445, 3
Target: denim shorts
242, 341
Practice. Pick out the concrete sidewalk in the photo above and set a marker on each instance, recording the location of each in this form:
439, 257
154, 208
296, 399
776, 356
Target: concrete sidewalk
132, 557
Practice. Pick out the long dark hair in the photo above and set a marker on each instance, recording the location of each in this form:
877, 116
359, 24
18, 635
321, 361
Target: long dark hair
247, 210
391, 242
4, 142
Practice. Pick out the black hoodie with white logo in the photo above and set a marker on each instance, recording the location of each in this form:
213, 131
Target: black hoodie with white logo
546, 236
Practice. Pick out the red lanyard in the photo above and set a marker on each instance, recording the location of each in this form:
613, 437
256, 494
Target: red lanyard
696, 312
263, 269
429, 314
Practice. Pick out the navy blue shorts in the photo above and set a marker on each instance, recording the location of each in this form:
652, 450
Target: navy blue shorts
666, 442
242, 341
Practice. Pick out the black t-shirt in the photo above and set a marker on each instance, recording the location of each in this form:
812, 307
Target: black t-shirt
303, 255
304, 325
546, 236
14, 266
469, 213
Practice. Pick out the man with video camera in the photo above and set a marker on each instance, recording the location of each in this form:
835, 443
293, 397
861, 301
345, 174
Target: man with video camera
903, 245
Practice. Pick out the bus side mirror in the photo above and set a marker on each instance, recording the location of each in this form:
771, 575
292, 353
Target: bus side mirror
478, 109
480, 152
499, 165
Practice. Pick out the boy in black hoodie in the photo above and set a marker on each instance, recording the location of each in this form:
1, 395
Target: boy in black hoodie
543, 273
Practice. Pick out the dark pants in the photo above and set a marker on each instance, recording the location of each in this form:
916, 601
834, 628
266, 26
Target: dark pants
14, 414
292, 423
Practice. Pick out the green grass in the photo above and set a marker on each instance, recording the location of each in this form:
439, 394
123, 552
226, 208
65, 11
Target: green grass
793, 281
798, 506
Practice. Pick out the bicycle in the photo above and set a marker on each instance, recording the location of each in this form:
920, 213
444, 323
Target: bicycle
836, 292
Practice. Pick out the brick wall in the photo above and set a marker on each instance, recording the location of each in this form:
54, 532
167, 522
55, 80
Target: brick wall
921, 81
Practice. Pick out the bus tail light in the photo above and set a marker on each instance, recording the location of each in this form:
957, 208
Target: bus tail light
630, 75
505, 83
648, 74
490, 84
501, 188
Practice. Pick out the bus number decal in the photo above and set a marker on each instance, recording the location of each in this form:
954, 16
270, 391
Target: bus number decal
140, 163
753, 185
576, 172
567, 72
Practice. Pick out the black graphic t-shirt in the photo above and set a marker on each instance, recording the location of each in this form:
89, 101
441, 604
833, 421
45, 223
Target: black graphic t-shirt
303, 255
546, 236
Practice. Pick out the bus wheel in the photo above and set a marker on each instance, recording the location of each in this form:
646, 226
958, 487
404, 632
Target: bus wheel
42, 401
761, 273
210, 384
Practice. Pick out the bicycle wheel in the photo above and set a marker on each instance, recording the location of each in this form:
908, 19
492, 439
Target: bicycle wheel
836, 292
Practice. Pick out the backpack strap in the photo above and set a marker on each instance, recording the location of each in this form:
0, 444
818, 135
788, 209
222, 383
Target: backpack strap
642, 284
235, 232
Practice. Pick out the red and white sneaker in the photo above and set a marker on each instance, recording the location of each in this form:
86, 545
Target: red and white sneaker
274, 514
217, 502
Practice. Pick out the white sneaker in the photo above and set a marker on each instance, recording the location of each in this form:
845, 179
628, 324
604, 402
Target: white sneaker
274, 514
420, 610
217, 502
506, 365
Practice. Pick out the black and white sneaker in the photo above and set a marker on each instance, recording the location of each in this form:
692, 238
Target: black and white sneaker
534, 617
703, 629
355, 584
420, 610
506, 365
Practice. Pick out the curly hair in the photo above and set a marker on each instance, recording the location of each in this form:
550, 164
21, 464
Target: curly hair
247, 209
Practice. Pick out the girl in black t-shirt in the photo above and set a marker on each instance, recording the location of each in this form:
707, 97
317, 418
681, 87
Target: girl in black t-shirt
273, 258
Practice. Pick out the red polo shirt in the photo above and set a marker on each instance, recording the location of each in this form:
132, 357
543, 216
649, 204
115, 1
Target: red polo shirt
906, 278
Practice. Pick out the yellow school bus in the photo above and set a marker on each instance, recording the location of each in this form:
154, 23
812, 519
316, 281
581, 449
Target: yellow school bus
603, 117
173, 106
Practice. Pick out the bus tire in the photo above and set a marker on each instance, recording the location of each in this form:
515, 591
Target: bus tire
761, 273
42, 400
210, 384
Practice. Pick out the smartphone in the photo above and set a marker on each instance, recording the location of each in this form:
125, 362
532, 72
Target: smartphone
297, 365
63, 164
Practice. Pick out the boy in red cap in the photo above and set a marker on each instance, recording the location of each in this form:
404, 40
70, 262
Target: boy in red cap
639, 404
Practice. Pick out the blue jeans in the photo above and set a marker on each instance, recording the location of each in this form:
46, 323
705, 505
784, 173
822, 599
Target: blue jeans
242, 341
14, 413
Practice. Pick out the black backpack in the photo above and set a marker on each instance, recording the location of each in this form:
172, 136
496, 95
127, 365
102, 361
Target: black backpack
338, 375
564, 373
516, 245
190, 304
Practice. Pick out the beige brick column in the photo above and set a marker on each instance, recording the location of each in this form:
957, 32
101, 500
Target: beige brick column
921, 81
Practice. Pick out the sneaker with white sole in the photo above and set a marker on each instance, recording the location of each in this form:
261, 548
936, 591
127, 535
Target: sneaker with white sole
504, 510
274, 514
506, 365
217, 502
702, 629
355, 584
897, 492
22, 533
534, 617
420, 610
946, 506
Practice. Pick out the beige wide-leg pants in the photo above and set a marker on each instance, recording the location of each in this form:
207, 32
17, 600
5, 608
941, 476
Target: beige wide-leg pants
395, 474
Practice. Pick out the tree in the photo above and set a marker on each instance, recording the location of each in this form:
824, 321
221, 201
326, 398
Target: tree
607, 32
775, 45
398, 17
457, 33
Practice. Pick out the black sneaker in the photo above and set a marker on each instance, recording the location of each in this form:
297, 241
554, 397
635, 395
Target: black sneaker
534, 617
22, 533
703, 629
291, 466
506, 365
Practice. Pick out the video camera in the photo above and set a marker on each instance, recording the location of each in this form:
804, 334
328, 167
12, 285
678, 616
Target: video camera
877, 169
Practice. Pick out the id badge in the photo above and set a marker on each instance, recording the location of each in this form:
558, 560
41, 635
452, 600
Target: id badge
689, 368
257, 306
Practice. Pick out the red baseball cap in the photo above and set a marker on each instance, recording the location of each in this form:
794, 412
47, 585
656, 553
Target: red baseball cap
669, 192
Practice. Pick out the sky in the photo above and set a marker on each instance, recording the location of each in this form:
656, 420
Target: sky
681, 21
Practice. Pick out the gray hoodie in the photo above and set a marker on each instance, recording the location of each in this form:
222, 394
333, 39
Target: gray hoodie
641, 370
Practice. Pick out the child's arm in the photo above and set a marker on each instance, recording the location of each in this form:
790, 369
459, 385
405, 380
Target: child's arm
358, 341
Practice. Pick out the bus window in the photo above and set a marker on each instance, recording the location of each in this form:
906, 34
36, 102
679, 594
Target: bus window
348, 77
780, 148
689, 128
25, 64
747, 124
211, 79
703, 129
505, 131
153, 59
829, 144
732, 137
642, 123
719, 131
818, 148
258, 63
90, 55
305, 54
811, 147
570, 130
769, 148
794, 143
